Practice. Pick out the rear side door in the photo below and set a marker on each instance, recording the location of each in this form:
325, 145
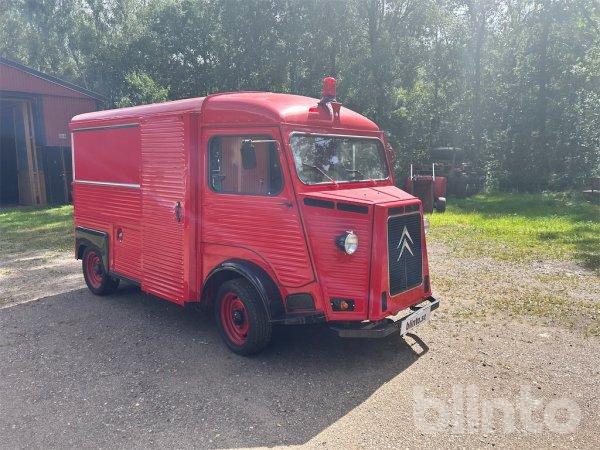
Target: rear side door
249, 202
168, 215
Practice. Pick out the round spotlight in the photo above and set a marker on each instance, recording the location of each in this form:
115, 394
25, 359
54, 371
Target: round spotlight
348, 242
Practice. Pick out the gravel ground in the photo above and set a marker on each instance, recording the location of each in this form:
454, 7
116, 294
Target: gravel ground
131, 370
28, 276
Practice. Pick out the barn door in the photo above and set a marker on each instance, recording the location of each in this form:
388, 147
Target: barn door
56, 178
166, 207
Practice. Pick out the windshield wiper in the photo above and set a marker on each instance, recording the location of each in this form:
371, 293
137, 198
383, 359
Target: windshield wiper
320, 171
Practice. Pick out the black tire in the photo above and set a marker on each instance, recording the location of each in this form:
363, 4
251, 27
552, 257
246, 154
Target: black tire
241, 317
98, 281
440, 205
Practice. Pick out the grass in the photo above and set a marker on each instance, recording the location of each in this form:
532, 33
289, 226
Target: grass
522, 227
554, 300
555, 309
29, 228
550, 307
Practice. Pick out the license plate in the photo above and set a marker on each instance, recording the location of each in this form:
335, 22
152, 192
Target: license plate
416, 318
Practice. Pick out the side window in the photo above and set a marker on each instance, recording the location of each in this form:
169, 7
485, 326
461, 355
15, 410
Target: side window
244, 165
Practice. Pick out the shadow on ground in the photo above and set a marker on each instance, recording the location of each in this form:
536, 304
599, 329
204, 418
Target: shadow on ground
132, 370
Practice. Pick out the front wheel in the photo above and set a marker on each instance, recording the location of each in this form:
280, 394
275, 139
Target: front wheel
96, 278
242, 318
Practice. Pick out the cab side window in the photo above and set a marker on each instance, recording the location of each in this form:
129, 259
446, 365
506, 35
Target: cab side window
244, 165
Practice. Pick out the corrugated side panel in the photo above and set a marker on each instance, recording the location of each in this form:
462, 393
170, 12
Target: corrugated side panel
105, 208
265, 226
164, 174
104, 205
340, 275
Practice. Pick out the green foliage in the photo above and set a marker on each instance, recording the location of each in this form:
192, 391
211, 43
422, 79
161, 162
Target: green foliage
513, 82
141, 89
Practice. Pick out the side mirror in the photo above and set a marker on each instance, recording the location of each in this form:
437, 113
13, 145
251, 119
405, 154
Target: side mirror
248, 155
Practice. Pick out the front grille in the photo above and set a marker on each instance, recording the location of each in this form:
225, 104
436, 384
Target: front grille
404, 252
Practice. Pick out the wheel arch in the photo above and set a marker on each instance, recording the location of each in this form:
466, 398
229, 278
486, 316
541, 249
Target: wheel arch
86, 237
257, 277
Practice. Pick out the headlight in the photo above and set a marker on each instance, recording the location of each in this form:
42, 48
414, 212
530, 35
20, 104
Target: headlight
348, 242
426, 224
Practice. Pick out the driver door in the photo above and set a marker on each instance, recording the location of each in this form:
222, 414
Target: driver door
248, 202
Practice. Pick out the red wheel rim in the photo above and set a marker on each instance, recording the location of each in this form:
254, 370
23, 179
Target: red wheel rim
94, 269
234, 317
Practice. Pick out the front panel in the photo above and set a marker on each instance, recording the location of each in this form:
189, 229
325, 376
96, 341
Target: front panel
340, 275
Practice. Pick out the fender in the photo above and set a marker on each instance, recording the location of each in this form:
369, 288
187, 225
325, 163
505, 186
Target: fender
258, 278
85, 237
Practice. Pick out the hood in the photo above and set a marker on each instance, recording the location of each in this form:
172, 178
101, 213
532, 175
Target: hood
367, 196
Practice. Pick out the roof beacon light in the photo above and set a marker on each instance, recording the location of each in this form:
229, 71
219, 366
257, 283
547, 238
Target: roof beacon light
329, 97
328, 89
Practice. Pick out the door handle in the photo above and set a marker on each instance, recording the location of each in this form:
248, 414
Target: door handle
287, 204
177, 210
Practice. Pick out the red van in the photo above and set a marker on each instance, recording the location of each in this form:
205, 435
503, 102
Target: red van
267, 208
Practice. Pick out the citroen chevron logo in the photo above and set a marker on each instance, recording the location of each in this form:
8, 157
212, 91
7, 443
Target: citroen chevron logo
404, 243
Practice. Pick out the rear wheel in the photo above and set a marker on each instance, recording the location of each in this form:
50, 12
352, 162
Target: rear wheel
241, 317
96, 278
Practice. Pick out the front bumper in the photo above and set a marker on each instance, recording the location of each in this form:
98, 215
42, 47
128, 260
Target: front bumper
384, 327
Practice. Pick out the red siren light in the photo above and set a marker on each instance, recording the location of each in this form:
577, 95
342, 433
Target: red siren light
329, 98
329, 87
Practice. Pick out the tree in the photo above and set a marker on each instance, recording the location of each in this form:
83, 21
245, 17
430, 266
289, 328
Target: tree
141, 89
514, 82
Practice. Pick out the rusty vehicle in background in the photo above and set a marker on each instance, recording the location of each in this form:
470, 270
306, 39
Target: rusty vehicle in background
448, 173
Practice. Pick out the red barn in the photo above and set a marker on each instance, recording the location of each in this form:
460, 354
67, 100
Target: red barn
35, 145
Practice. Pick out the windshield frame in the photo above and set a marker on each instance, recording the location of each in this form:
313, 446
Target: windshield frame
380, 145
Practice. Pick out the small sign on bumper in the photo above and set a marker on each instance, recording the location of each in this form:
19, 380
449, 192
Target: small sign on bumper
418, 317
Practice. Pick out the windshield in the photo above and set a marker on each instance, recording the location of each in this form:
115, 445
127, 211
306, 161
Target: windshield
332, 159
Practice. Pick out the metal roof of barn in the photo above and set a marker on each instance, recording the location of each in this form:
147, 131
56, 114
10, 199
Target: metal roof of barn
47, 78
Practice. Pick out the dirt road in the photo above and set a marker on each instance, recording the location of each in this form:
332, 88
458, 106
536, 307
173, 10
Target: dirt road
131, 370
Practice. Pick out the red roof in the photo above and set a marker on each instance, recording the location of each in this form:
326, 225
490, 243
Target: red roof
135, 112
240, 107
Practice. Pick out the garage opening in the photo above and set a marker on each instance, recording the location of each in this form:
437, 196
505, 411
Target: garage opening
19, 174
